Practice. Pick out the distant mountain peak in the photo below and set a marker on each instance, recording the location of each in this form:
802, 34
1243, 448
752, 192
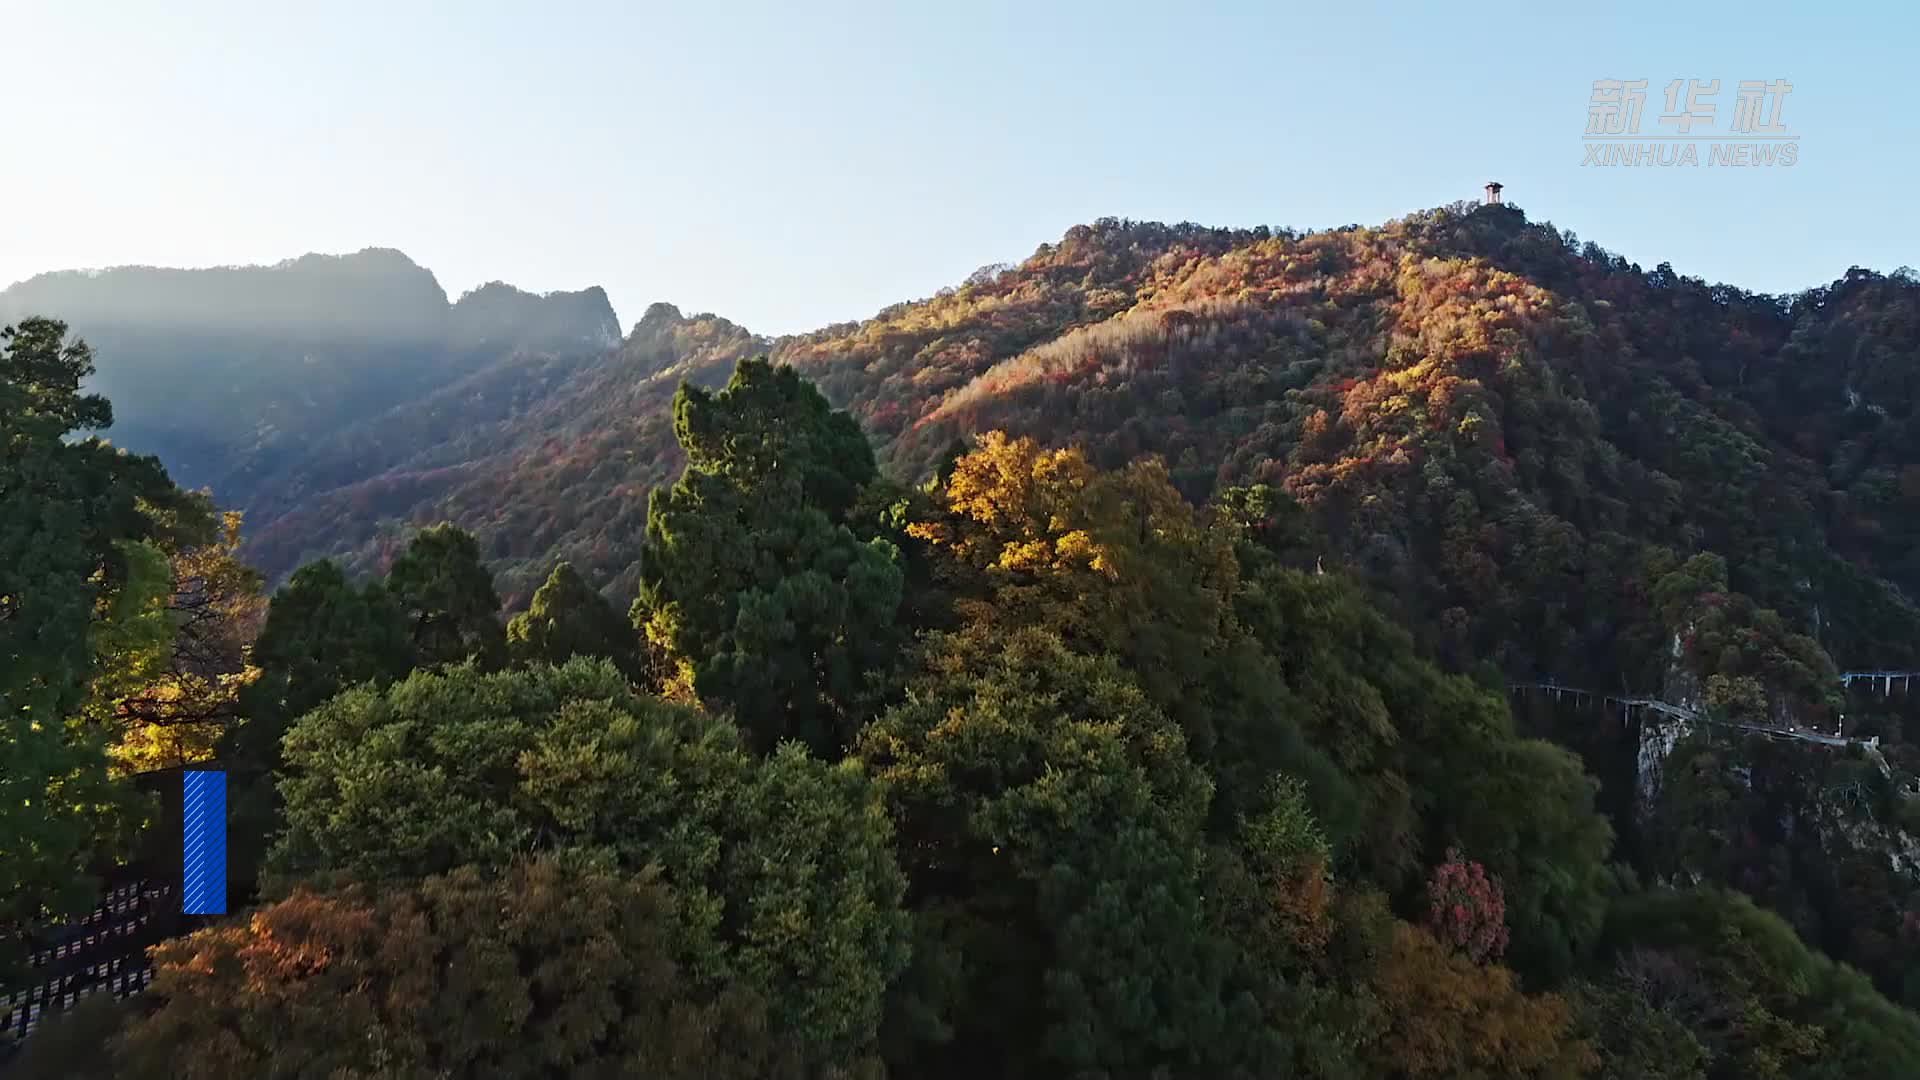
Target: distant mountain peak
293, 350
497, 312
367, 257
659, 313
377, 294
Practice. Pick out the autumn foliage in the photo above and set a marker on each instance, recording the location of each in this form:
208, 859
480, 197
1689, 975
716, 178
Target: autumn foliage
549, 969
1100, 669
1448, 1016
1466, 909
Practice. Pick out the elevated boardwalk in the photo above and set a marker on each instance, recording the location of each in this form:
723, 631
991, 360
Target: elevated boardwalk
1886, 679
1681, 712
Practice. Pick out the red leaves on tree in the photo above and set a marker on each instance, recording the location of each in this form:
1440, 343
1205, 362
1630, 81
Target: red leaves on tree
1467, 909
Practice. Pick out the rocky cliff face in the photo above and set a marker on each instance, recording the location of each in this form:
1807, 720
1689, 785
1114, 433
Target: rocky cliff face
1821, 791
499, 314
1899, 847
1660, 733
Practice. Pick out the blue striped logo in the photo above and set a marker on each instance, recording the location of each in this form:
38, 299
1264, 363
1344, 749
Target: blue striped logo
204, 844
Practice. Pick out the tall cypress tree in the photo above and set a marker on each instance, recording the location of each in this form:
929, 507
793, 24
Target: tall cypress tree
567, 618
449, 598
752, 584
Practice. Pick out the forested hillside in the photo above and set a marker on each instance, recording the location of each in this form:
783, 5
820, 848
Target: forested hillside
1117, 665
232, 374
555, 456
1480, 412
1038, 769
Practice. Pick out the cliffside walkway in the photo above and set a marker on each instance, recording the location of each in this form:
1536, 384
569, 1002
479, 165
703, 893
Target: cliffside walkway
1681, 712
1886, 679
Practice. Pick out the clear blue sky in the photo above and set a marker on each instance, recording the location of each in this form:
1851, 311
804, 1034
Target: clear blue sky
789, 167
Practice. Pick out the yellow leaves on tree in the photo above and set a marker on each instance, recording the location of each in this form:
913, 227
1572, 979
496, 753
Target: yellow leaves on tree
174, 652
1741, 697
130, 633
1448, 1016
1300, 897
1082, 551
1016, 508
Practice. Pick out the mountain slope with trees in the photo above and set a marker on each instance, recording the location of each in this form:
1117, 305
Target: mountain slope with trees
1545, 462
229, 374
1099, 669
1477, 410
1118, 785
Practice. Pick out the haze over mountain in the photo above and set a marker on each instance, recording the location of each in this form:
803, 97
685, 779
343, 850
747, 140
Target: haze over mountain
225, 372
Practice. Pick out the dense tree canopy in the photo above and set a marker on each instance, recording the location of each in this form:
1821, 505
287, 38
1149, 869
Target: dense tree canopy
447, 595
85, 536
567, 618
1051, 823
548, 969
783, 865
324, 634
1042, 757
751, 583
1761, 1002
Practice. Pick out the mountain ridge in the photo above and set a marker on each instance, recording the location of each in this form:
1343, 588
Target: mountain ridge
1344, 366
1425, 464
228, 373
